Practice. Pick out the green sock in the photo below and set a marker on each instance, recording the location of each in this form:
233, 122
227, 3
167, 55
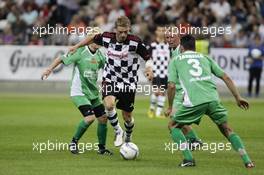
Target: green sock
191, 135
178, 137
237, 145
101, 134
82, 127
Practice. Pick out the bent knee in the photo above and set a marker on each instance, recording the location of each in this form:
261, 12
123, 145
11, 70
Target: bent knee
89, 119
109, 105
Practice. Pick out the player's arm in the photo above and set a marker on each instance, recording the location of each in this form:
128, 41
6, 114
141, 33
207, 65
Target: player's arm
171, 91
65, 59
145, 54
148, 70
242, 103
51, 67
88, 40
219, 72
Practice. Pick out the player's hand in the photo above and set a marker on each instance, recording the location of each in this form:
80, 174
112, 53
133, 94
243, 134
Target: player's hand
242, 103
168, 112
149, 73
45, 74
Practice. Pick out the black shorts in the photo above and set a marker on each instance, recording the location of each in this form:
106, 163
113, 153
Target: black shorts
87, 110
125, 97
161, 83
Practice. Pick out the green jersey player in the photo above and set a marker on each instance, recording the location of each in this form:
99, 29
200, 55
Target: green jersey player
87, 61
189, 132
194, 71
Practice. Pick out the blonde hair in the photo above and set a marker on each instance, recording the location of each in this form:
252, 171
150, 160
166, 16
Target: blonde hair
122, 21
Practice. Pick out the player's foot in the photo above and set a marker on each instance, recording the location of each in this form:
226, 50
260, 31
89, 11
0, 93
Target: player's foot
194, 144
128, 138
249, 165
187, 163
151, 113
119, 138
73, 146
104, 152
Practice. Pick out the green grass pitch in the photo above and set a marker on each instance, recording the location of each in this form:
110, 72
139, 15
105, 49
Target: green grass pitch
27, 119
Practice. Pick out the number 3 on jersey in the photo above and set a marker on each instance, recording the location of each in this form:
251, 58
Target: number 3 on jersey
197, 70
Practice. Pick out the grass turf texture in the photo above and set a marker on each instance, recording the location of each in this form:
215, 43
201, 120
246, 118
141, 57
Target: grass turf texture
39, 118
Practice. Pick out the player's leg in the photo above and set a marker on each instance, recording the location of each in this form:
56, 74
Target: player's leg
185, 116
160, 104
85, 108
250, 82
237, 143
99, 111
129, 125
191, 136
219, 116
126, 104
162, 86
109, 102
109, 98
153, 100
258, 77
179, 138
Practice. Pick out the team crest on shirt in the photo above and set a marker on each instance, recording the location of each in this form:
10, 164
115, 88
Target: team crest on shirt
93, 61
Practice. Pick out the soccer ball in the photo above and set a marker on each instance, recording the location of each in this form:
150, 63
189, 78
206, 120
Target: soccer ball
256, 53
129, 151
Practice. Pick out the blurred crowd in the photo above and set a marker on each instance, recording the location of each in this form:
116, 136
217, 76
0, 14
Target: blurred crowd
18, 17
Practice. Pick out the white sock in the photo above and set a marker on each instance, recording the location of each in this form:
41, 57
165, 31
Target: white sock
160, 104
113, 119
129, 127
153, 101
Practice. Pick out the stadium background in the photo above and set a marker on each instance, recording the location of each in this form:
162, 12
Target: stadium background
33, 110
21, 66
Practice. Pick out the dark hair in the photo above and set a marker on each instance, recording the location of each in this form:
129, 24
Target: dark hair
188, 42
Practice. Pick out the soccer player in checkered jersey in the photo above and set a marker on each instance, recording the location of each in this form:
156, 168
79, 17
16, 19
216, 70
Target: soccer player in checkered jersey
120, 73
160, 56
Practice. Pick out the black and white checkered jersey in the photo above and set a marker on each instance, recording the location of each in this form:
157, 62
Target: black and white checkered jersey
160, 55
122, 59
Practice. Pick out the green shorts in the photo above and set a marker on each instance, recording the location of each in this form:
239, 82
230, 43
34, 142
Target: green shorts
84, 100
188, 115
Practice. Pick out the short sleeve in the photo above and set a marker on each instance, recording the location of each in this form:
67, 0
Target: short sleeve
173, 75
216, 69
98, 39
143, 51
70, 58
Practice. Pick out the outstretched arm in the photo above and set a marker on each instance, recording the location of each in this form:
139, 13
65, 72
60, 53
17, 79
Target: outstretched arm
88, 40
242, 103
51, 67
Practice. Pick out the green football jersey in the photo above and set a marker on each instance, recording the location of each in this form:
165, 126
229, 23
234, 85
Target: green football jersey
194, 72
179, 91
85, 71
